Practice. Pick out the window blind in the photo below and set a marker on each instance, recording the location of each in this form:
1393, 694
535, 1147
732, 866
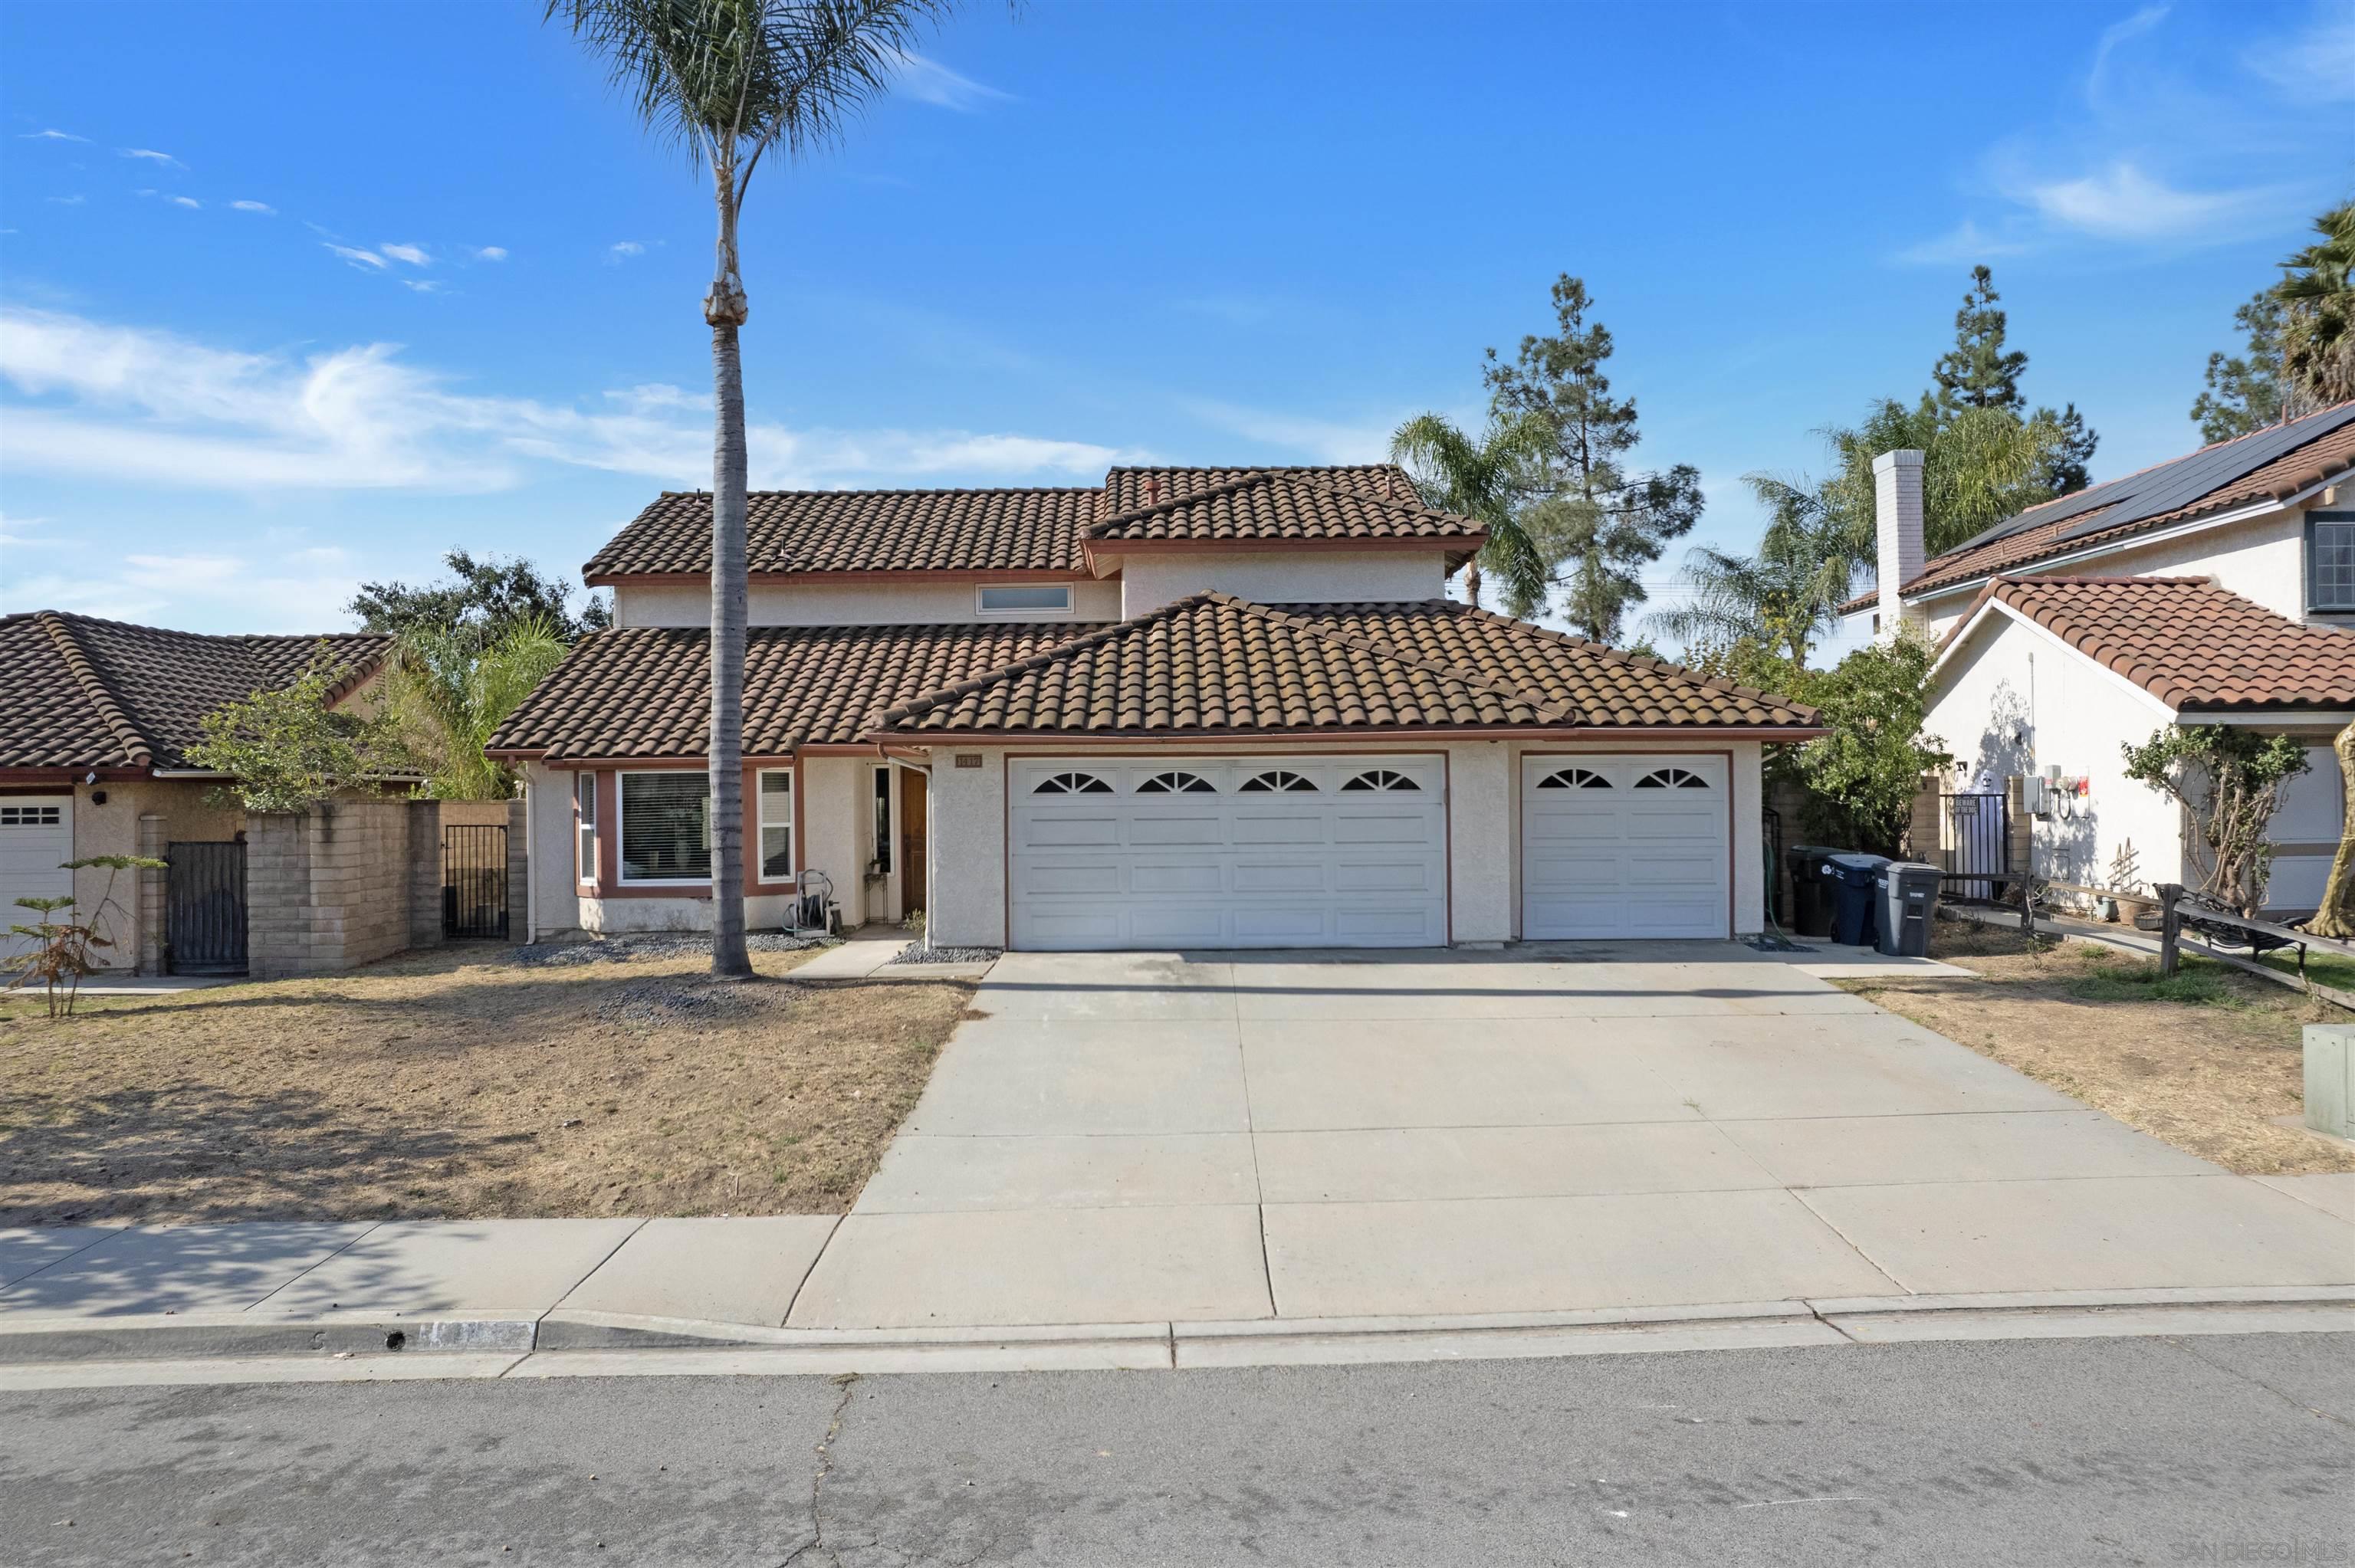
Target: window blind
666, 827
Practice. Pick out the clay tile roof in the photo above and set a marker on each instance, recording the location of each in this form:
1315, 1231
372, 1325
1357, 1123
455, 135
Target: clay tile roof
1272, 504
646, 691
77, 691
2108, 513
1212, 662
2187, 641
861, 531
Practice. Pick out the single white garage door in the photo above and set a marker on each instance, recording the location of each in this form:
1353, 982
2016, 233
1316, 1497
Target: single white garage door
1625, 846
36, 840
1228, 851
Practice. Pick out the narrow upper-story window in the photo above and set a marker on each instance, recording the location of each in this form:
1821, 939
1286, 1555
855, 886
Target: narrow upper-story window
2330, 561
883, 820
776, 824
1026, 598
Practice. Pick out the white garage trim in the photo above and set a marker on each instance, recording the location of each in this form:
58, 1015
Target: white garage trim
36, 840
1550, 909
1257, 849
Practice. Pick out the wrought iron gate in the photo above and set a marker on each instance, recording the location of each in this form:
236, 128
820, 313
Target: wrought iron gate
475, 880
1976, 840
204, 909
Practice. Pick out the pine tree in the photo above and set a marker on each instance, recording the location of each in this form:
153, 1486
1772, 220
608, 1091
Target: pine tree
2246, 394
1595, 525
1977, 373
2064, 470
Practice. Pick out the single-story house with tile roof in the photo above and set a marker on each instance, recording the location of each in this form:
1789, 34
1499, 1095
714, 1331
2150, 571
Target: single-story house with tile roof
96, 718
2215, 588
1188, 707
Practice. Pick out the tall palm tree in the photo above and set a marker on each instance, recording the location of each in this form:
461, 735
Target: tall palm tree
1484, 479
1786, 595
2320, 334
728, 80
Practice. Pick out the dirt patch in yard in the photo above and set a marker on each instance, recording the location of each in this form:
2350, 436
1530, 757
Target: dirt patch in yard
464, 1085
2205, 1061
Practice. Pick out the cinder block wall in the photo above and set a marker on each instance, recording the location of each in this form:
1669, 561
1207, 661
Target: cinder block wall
424, 873
332, 888
518, 873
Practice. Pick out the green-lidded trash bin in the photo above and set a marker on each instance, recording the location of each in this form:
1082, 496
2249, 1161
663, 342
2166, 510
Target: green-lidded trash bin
1811, 900
1907, 899
1850, 879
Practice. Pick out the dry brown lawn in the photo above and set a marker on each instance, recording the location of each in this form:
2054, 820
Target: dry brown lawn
464, 1085
2205, 1062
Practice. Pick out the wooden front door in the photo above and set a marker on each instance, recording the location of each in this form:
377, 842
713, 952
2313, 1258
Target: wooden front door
911, 840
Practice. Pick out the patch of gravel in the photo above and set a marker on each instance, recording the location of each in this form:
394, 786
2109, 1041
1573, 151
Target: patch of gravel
690, 1002
917, 953
650, 944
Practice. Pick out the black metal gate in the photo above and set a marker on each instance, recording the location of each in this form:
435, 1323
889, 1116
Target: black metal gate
1976, 840
204, 909
475, 880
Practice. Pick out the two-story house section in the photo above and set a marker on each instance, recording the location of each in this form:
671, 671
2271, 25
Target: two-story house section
2216, 588
1189, 707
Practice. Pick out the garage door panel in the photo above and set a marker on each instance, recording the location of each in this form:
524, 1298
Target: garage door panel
1269, 868
36, 840
1625, 861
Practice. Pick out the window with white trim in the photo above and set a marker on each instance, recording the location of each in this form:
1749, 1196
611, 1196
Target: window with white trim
1278, 781
1072, 784
1177, 784
1672, 779
776, 821
1574, 779
1381, 778
584, 800
2330, 561
29, 817
666, 827
1025, 599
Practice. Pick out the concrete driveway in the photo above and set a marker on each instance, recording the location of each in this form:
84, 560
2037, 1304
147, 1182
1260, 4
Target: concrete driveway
1126, 1138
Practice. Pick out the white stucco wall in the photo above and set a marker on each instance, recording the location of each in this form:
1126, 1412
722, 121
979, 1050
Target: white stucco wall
555, 894
834, 835
1481, 853
614, 915
890, 603
1279, 576
2016, 700
965, 881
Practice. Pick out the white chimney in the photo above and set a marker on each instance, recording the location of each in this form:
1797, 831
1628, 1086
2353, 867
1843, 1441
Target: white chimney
1897, 520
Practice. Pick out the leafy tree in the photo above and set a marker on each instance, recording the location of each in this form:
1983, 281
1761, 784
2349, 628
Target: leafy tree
447, 691
2245, 394
1859, 779
2318, 337
1979, 467
1594, 524
2228, 783
2065, 468
1482, 480
487, 597
60, 956
1978, 372
1785, 594
730, 80
287, 750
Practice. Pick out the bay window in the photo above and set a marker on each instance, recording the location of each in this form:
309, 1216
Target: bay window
666, 827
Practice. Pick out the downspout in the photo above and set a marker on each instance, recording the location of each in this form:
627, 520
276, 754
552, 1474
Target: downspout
530, 865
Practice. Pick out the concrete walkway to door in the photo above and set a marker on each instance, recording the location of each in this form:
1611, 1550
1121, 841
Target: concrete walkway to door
1139, 1136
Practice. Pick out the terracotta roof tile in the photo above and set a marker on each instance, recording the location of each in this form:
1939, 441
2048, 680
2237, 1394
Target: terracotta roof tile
1214, 663
2187, 641
1283, 504
2034, 537
646, 691
78, 692
861, 531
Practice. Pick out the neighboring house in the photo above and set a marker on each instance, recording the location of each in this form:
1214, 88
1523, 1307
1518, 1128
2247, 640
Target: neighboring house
1214, 707
2216, 588
96, 718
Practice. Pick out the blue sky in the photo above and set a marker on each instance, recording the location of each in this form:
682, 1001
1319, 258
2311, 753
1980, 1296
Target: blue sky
297, 295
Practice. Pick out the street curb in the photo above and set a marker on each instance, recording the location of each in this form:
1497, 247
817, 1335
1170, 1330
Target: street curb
582, 1344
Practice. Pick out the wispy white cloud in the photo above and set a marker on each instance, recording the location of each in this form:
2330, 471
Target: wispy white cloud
2314, 64
285, 590
22, 531
140, 407
422, 285
152, 156
69, 200
2121, 202
623, 249
929, 82
263, 207
191, 203
1301, 435
51, 136
412, 254
1966, 244
365, 260
491, 253
2116, 33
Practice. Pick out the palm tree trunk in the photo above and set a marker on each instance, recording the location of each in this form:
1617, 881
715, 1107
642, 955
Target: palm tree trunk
725, 308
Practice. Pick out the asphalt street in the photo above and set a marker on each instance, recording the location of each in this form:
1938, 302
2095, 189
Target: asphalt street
2193, 1450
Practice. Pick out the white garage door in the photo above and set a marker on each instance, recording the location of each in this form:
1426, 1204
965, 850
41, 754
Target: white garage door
36, 840
1225, 851
1624, 846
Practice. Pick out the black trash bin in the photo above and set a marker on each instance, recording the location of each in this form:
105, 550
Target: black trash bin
1906, 894
1811, 900
1850, 879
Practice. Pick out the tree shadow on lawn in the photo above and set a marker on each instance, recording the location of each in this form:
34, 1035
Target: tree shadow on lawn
194, 1153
